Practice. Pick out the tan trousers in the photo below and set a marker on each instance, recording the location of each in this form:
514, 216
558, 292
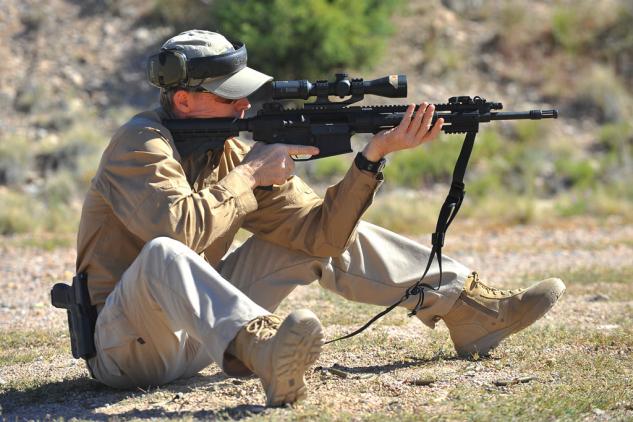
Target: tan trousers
172, 314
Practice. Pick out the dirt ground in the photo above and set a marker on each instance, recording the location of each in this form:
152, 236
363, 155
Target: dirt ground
575, 363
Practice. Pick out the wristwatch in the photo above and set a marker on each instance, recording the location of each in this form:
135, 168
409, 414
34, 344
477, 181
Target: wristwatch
372, 166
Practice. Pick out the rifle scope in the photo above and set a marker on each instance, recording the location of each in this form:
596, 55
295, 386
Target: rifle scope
393, 86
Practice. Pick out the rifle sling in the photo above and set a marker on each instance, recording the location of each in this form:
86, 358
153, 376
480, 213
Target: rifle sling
449, 210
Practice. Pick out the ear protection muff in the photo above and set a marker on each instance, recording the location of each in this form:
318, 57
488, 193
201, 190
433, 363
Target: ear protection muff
170, 68
167, 69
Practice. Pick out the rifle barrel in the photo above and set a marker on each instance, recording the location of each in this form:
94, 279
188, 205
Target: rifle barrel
522, 115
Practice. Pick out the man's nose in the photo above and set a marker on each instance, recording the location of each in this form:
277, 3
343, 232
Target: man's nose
242, 104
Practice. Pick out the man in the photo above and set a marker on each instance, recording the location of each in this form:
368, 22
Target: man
156, 227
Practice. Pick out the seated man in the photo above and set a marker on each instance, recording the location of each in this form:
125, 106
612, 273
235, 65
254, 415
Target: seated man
156, 226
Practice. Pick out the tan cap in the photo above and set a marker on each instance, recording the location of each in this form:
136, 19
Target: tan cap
199, 43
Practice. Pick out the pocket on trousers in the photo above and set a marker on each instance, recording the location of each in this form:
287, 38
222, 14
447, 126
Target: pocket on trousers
113, 329
114, 337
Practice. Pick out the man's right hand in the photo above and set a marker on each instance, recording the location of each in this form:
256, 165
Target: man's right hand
271, 164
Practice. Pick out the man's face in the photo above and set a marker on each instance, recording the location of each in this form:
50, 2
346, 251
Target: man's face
195, 105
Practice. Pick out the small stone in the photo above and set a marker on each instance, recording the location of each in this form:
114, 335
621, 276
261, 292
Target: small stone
598, 298
421, 381
608, 327
512, 381
598, 412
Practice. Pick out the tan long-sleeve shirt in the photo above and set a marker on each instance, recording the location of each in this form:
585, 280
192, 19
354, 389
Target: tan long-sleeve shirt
144, 189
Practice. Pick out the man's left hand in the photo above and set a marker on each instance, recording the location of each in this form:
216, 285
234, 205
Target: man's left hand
413, 130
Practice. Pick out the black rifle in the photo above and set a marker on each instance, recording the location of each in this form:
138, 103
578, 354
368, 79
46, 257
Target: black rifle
330, 125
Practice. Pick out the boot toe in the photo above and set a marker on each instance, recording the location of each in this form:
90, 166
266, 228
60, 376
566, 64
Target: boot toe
543, 295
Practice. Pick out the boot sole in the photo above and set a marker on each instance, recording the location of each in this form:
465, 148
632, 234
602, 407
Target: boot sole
299, 346
485, 344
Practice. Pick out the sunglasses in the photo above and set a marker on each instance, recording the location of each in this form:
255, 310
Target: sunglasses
217, 97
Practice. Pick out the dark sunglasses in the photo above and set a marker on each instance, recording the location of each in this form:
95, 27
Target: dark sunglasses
218, 98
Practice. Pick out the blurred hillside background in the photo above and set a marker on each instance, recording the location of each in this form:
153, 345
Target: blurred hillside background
73, 70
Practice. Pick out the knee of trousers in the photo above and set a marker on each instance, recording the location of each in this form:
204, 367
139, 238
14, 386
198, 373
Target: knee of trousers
160, 251
164, 247
150, 271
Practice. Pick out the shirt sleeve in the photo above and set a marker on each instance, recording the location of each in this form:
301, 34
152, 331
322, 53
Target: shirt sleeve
293, 216
148, 191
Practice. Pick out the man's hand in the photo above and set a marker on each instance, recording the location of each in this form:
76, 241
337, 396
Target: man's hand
271, 164
412, 131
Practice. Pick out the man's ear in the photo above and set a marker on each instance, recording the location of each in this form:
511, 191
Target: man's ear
181, 101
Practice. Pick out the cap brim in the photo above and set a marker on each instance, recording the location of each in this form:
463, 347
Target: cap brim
238, 85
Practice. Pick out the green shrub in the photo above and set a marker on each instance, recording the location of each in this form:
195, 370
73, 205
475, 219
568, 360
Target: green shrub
307, 39
577, 172
15, 213
428, 164
16, 156
577, 25
329, 169
617, 138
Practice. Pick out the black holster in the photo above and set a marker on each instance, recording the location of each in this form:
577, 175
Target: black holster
82, 316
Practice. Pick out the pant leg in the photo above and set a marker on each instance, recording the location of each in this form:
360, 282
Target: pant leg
170, 315
377, 268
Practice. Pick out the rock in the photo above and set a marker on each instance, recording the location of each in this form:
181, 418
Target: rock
608, 327
512, 381
420, 381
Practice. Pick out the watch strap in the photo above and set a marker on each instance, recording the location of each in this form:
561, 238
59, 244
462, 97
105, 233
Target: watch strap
371, 166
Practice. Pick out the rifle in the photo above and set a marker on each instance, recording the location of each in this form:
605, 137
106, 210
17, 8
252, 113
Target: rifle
329, 125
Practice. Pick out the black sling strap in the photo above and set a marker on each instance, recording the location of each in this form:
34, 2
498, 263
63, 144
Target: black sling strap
449, 210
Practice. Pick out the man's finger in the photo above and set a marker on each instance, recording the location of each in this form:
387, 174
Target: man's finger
406, 118
435, 130
426, 121
301, 150
417, 119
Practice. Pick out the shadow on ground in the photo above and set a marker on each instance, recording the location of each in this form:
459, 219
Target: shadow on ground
411, 362
85, 398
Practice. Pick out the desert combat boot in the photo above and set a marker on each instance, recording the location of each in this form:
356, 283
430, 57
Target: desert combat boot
483, 316
279, 353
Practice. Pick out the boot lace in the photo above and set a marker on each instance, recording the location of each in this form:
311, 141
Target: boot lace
264, 327
489, 289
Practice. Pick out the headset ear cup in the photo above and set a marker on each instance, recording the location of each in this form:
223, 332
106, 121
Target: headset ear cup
167, 69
